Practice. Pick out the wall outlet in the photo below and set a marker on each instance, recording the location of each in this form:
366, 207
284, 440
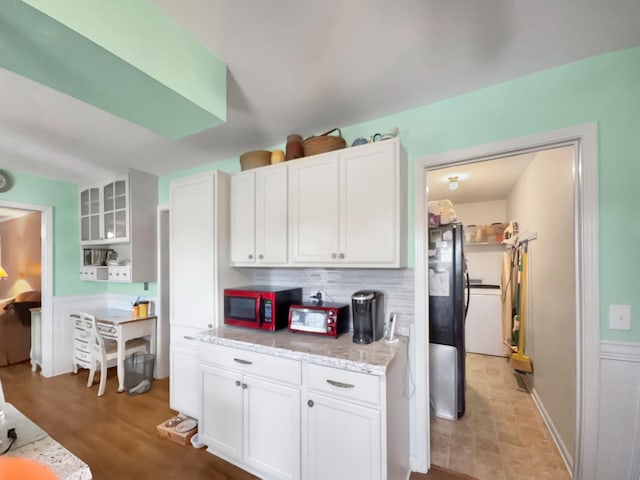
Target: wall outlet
620, 317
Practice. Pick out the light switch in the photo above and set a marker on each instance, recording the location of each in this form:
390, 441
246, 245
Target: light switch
620, 317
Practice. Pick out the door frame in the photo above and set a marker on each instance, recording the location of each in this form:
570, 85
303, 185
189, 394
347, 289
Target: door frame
46, 278
587, 297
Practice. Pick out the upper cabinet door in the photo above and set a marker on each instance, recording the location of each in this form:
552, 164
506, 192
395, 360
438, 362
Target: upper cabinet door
271, 215
314, 210
90, 215
116, 211
369, 197
243, 218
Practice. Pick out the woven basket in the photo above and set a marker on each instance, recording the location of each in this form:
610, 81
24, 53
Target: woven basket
323, 143
255, 159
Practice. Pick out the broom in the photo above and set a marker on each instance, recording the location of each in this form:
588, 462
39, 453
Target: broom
519, 361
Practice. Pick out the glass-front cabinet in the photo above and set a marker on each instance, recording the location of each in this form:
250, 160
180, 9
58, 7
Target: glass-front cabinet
115, 207
90, 214
111, 213
104, 213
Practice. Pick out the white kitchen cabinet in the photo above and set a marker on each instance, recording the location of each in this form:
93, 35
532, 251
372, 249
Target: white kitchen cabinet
343, 413
314, 210
120, 216
348, 208
249, 416
259, 217
198, 258
90, 215
288, 417
350, 432
361, 418
185, 382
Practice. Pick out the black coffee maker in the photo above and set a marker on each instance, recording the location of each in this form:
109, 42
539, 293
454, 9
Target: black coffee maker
367, 307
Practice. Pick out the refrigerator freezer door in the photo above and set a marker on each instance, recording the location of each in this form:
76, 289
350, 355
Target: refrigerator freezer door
443, 380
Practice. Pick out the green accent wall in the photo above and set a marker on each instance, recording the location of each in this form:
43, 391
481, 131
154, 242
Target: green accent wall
603, 89
63, 198
124, 57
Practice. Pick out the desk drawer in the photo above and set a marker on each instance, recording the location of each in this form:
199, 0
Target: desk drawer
357, 386
253, 363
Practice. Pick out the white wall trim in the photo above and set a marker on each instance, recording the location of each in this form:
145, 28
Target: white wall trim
584, 139
566, 455
620, 351
619, 434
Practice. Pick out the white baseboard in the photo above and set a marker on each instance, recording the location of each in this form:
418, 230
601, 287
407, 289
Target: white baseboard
567, 456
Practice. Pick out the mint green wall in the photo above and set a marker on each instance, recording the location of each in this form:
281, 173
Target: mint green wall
604, 89
63, 198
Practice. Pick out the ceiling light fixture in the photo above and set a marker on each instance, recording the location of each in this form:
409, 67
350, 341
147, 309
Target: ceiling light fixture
453, 183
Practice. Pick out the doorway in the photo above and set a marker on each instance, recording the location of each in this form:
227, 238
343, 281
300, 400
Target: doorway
46, 279
507, 431
584, 141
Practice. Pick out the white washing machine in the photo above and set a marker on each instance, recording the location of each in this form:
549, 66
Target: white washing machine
483, 326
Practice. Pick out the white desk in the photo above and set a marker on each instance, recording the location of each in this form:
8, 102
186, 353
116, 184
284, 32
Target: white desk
119, 325
34, 443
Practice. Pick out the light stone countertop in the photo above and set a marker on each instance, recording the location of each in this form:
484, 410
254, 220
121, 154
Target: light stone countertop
340, 353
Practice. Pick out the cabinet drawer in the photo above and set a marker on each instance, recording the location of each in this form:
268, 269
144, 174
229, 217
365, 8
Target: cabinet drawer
246, 361
343, 383
187, 336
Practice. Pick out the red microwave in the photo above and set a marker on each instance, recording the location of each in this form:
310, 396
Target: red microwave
260, 306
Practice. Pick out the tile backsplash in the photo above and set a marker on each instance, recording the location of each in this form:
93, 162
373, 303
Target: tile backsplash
339, 284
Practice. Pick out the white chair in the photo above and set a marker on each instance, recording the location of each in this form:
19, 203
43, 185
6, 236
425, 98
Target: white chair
105, 350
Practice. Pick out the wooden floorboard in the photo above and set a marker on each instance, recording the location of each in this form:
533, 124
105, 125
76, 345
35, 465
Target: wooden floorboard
116, 433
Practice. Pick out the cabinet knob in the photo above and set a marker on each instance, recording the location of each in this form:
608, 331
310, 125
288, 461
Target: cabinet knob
341, 256
310, 403
244, 386
260, 257
238, 383
333, 255
250, 257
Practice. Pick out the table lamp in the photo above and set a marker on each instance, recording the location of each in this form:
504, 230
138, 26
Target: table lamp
3, 275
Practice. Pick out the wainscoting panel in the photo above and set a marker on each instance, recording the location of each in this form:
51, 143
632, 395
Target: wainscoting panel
63, 327
619, 436
340, 284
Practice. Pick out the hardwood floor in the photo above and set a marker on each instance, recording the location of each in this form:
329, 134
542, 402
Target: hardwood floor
116, 434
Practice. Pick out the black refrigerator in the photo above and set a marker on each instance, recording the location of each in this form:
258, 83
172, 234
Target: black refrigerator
448, 300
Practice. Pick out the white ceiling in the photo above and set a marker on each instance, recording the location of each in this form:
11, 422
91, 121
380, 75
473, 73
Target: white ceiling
303, 66
479, 181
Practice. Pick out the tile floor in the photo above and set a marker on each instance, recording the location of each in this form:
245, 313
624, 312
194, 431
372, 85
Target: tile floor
501, 436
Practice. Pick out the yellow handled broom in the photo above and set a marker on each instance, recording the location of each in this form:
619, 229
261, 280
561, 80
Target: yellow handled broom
519, 361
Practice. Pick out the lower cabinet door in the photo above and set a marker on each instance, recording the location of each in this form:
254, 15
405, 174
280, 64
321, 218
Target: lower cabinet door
272, 428
222, 406
184, 381
343, 440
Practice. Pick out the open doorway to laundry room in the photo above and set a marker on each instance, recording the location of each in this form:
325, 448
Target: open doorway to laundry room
512, 420
583, 140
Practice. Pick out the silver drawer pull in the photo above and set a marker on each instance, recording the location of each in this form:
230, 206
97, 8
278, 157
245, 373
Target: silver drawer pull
340, 384
187, 337
242, 362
